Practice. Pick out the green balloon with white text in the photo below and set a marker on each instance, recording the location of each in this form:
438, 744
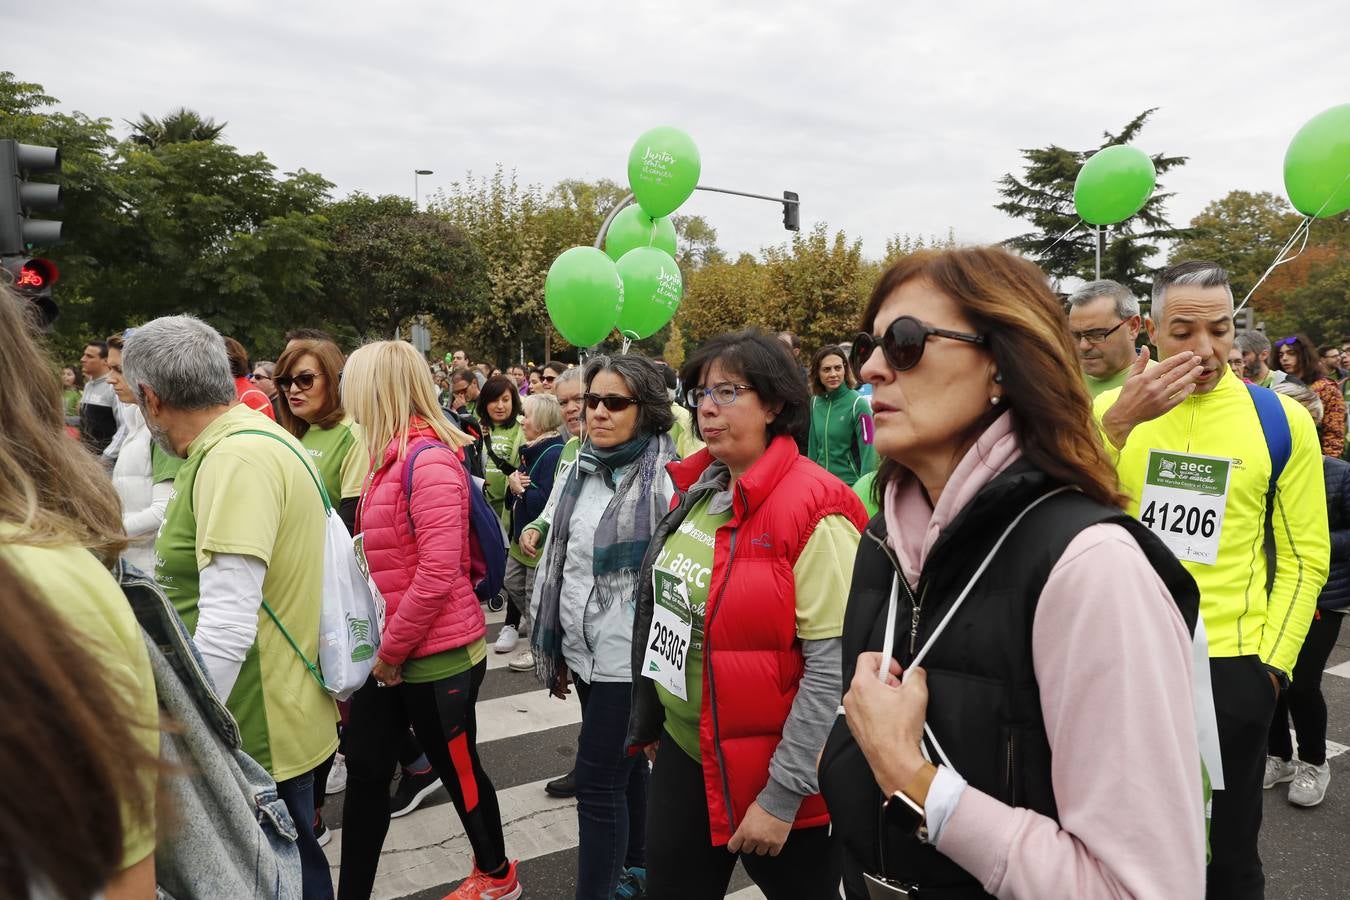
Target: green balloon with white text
652, 288
663, 170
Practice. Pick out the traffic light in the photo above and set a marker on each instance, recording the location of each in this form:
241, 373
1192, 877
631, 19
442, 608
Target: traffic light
32, 279
19, 197
792, 219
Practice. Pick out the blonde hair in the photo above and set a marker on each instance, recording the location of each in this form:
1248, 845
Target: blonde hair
52, 490
544, 413
385, 385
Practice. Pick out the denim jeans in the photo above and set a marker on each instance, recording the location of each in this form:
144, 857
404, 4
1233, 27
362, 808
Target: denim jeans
611, 791
298, 795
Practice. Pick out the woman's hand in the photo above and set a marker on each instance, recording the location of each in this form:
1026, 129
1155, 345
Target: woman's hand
650, 750
517, 481
529, 542
760, 833
386, 675
886, 720
562, 682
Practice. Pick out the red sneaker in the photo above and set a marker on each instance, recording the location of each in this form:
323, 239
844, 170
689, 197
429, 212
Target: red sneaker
482, 886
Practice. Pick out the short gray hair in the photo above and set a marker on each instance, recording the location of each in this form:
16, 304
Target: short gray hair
1195, 273
568, 376
1127, 304
1253, 342
646, 383
1304, 395
183, 360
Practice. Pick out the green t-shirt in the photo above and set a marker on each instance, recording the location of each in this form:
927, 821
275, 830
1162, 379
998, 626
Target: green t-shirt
506, 445
163, 466
822, 577
72, 398
446, 664
250, 495
83, 593
339, 453
863, 488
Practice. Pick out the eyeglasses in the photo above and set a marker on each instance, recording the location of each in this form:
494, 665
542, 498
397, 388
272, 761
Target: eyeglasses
903, 343
258, 376
613, 402
723, 393
1096, 335
548, 379
304, 381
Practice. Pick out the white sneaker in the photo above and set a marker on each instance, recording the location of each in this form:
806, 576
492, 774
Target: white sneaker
507, 639
1278, 771
1310, 784
337, 776
522, 661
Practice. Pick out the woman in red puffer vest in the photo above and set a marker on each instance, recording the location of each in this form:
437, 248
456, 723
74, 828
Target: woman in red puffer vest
413, 526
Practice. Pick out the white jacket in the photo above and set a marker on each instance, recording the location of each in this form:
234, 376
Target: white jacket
143, 501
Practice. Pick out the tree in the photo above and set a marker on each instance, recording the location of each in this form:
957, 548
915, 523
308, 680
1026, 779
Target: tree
725, 296
818, 285
1240, 231
179, 127
1043, 195
388, 263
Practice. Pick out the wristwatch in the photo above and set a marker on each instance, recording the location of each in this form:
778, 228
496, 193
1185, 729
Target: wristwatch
905, 816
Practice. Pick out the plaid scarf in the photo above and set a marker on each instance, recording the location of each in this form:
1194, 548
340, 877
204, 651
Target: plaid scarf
621, 537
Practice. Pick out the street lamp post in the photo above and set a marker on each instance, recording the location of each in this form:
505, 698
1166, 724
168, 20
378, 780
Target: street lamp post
417, 199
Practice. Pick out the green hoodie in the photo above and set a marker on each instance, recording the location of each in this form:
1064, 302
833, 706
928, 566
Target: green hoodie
836, 440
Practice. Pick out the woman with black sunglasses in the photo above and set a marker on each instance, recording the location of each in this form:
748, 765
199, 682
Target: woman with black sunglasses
1006, 620
738, 635
610, 504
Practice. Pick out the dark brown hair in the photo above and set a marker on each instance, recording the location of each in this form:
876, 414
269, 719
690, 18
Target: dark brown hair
1305, 355
238, 357
813, 379
73, 765
767, 365
330, 362
1008, 300
490, 392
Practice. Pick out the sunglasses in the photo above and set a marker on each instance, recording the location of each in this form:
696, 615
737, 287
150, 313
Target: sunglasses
613, 402
304, 381
903, 343
548, 379
1286, 342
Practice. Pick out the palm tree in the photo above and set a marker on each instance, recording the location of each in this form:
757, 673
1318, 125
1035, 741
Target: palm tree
179, 127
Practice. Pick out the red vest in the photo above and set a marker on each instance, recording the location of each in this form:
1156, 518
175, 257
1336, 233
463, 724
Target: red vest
752, 656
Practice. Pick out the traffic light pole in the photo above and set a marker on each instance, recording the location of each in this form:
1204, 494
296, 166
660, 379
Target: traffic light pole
791, 205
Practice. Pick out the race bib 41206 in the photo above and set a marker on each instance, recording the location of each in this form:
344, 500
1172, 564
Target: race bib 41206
1183, 502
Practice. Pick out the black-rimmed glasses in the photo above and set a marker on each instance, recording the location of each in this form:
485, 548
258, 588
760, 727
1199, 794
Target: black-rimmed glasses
1096, 335
613, 402
903, 343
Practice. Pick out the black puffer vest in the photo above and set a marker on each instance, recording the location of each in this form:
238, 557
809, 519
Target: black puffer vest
984, 703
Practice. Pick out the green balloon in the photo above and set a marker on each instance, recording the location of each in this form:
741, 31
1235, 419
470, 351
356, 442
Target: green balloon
663, 169
1317, 164
633, 228
652, 287
583, 295
1114, 185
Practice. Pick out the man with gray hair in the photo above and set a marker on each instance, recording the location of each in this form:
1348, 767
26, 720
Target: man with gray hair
1255, 348
245, 522
1104, 322
1190, 444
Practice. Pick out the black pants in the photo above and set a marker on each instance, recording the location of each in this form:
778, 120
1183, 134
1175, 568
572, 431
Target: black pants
683, 864
1304, 701
442, 715
1244, 703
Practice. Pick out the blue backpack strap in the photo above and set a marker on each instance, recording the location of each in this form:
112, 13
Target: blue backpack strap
1280, 443
407, 477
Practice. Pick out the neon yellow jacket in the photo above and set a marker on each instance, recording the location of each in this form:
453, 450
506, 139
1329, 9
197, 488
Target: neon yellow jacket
1239, 618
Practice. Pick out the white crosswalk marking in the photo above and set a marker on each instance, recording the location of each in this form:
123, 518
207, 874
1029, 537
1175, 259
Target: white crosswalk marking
1341, 671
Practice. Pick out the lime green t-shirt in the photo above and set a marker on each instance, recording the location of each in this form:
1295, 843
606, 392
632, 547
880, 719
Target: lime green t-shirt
84, 594
506, 445
446, 664
822, 575
250, 495
339, 453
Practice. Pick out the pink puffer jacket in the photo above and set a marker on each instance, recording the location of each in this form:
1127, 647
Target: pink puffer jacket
430, 602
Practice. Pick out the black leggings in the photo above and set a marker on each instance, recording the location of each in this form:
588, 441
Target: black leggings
683, 864
442, 715
1304, 701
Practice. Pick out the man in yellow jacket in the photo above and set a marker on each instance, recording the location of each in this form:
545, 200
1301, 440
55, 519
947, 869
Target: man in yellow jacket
1193, 457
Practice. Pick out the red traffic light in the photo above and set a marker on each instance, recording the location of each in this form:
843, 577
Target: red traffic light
37, 274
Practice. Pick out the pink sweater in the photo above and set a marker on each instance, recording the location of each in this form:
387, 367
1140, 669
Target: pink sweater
1113, 660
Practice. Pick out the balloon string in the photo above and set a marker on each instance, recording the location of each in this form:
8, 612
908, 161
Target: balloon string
627, 342
1303, 230
1061, 237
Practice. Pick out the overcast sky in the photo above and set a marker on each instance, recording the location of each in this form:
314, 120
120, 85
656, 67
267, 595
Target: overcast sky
887, 117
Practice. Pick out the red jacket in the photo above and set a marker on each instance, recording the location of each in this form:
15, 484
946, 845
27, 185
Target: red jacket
253, 398
430, 605
752, 656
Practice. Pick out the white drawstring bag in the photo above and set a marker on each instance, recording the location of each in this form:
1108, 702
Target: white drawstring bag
351, 618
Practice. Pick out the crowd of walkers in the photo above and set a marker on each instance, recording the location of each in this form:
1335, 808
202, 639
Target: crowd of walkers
986, 600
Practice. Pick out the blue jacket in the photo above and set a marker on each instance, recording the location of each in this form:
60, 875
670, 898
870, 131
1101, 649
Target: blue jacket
540, 461
1336, 593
